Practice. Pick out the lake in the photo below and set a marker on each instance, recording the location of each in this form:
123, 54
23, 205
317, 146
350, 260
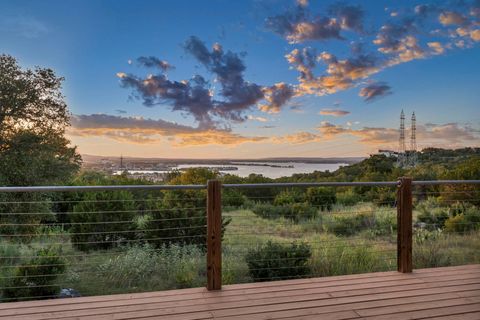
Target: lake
267, 169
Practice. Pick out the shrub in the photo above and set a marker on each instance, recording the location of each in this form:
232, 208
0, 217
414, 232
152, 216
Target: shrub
385, 223
16, 223
89, 230
348, 198
36, 278
233, 198
287, 197
321, 197
463, 222
275, 261
180, 218
294, 212
350, 224
434, 218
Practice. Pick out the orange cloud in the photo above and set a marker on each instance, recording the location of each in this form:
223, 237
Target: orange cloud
139, 130
333, 112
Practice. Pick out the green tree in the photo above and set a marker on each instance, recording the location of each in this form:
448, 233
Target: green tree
33, 149
33, 119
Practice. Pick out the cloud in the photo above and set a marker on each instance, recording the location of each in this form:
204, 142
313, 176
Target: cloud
190, 96
329, 130
437, 47
333, 112
210, 108
120, 111
350, 17
154, 62
216, 137
475, 35
340, 74
449, 133
374, 91
451, 18
276, 96
299, 25
302, 3
260, 119
297, 138
399, 40
142, 131
228, 67
304, 61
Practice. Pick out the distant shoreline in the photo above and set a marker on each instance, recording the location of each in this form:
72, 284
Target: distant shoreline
348, 160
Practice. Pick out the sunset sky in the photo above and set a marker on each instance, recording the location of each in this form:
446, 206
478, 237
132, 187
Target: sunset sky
252, 79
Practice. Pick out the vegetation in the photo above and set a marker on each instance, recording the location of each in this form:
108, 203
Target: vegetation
36, 278
131, 241
276, 261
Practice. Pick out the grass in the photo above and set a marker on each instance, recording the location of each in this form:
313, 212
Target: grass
369, 246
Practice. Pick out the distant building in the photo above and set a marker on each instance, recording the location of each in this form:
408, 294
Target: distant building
388, 153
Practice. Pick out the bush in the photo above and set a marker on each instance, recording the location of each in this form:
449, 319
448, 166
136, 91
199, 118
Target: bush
463, 222
434, 218
233, 198
385, 223
16, 223
350, 224
89, 232
348, 198
321, 197
287, 197
180, 218
294, 212
36, 278
275, 261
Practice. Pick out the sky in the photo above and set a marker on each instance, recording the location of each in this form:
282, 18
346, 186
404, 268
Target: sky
255, 79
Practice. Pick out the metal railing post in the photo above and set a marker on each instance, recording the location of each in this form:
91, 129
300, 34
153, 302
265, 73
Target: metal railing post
404, 225
214, 235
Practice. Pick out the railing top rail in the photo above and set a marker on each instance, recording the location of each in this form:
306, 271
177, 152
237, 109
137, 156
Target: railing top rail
438, 182
239, 185
100, 188
311, 184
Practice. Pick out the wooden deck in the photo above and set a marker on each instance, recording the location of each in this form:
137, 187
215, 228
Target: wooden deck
440, 293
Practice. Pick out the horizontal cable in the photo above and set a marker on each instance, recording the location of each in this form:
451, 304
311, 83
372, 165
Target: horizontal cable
98, 232
60, 224
89, 212
121, 240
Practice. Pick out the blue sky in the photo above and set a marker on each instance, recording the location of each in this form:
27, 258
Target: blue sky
368, 61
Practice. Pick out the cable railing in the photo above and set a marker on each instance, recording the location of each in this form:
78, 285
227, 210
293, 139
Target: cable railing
90, 240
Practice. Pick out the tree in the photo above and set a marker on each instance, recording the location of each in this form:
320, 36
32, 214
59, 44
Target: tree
33, 118
33, 148
30, 98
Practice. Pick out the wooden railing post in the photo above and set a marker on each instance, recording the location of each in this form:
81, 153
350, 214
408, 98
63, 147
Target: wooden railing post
214, 235
404, 225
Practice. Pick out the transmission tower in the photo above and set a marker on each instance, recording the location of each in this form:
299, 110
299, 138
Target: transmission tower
401, 160
413, 142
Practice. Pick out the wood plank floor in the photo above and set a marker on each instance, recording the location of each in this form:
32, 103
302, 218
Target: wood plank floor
449, 293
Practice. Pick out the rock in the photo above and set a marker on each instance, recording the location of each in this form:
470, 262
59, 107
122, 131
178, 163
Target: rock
69, 293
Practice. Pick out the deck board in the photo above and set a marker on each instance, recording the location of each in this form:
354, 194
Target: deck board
436, 293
